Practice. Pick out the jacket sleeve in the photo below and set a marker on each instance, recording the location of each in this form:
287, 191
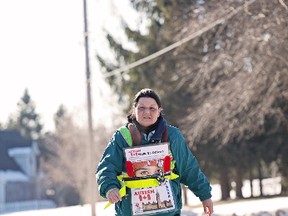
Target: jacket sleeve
110, 165
187, 166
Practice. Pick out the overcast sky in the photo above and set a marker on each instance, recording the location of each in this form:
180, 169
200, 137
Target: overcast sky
42, 49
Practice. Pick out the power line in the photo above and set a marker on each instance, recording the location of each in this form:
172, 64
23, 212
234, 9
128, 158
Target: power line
125, 68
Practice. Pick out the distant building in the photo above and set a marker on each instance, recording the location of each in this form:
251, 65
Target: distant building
20, 180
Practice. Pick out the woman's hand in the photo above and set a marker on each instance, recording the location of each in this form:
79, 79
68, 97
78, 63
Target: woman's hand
208, 207
113, 195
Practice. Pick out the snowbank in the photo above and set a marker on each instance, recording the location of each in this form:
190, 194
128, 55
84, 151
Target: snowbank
277, 206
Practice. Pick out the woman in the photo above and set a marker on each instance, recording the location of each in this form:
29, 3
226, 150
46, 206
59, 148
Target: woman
146, 125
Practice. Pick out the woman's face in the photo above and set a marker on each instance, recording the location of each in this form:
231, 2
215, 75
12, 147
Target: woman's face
147, 111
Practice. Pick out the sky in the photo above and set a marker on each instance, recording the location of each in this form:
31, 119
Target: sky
42, 50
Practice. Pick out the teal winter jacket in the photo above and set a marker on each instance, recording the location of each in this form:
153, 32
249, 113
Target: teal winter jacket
113, 161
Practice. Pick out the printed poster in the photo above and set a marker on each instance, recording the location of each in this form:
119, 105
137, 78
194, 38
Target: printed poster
148, 161
152, 200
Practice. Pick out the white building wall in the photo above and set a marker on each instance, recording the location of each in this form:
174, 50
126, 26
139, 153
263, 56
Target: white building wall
26, 158
2, 189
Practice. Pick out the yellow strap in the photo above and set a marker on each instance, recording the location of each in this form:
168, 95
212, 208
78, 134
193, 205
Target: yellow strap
144, 183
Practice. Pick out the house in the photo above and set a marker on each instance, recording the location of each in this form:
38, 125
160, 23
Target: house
20, 178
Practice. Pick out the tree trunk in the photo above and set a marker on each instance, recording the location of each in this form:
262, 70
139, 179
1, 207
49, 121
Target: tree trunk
185, 198
251, 181
225, 185
260, 177
239, 183
284, 180
284, 185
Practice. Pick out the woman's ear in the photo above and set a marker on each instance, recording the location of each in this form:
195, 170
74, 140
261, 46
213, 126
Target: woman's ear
133, 111
160, 110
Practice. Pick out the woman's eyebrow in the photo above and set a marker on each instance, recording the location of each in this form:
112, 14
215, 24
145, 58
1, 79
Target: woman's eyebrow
151, 105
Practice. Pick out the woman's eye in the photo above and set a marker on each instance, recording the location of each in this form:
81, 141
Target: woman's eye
141, 108
151, 109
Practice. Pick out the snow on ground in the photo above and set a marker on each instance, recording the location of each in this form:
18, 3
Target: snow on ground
84, 210
247, 207
241, 208
267, 207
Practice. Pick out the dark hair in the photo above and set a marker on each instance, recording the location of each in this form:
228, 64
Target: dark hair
146, 92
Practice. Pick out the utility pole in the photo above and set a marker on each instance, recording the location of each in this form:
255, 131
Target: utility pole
90, 150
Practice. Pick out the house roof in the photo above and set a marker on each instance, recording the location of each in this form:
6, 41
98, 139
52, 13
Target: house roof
11, 139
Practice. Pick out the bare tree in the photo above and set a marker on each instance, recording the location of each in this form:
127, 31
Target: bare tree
66, 166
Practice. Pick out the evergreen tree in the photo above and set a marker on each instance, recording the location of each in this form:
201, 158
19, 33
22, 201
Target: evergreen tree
225, 88
27, 120
66, 162
64, 165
